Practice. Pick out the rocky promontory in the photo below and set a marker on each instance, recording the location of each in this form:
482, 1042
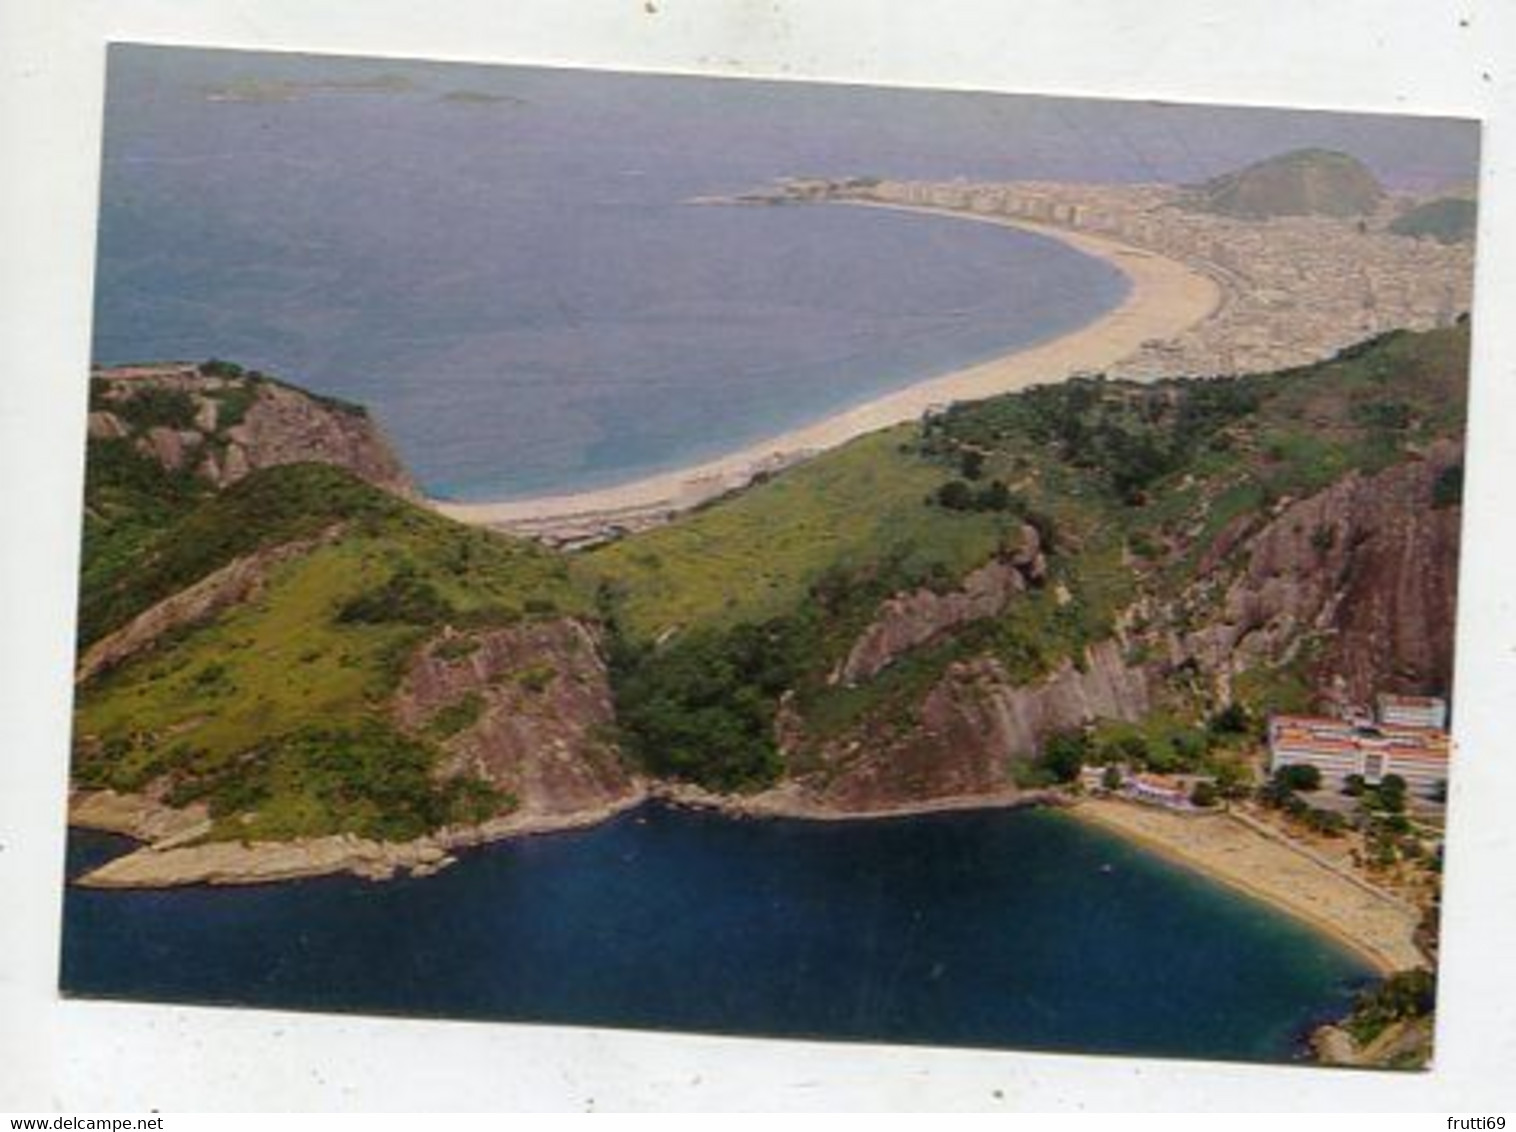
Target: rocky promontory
220, 423
527, 708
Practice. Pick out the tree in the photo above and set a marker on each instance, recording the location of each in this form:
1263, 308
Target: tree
1273, 793
995, 497
1064, 753
1323, 538
702, 708
971, 464
1390, 796
1405, 994
1299, 776
1353, 785
1111, 778
956, 495
215, 367
1189, 746
1204, 795
1230, 720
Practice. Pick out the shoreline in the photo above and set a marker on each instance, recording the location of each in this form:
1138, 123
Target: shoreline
1218, 846
1372, 925
169, 863
162, 860
1165, 297
786, 804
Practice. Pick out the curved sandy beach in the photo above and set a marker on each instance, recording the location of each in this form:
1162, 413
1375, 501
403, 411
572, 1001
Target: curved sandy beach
1165, 298
1230, 849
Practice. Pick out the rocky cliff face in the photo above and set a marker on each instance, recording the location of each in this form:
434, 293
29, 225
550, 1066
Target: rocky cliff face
967, 734
1367, 568
1104, 686
910, 620
528, 708
1362, 574
223, 426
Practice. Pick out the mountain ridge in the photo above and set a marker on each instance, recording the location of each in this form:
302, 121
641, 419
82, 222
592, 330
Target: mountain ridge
921, 616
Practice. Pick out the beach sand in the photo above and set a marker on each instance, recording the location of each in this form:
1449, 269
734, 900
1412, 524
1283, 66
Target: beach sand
1165, 298
1372, 923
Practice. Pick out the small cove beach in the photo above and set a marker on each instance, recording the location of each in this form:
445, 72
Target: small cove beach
1235, 852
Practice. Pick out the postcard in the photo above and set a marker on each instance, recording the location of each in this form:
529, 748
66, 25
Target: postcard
770, 558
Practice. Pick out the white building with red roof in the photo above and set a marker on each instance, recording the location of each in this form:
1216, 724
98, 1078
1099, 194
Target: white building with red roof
1400, 742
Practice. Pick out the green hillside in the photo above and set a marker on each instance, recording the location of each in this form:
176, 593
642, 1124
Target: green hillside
232, 709
1129, 484
279, 711
1097, 461
759, 554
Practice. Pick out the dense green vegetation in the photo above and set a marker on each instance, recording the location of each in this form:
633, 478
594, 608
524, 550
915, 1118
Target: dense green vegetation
453, 570
404, 599
236, 708
130, 499
1162, 743
277, 506
247, 381
156, 407
1128, 485
1301, 777
759, 554
366, 779
715, 618
1403, 996
703, 709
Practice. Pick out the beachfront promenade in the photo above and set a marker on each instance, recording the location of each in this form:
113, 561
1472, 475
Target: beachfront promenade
1298, 288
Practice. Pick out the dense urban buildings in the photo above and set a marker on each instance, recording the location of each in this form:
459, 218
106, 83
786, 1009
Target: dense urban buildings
1295, 288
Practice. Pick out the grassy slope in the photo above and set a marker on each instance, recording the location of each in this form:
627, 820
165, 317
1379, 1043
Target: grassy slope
1138, 482
130, 499
756, 555
228, 700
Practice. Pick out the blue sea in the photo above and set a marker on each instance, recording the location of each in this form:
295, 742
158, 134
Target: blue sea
502, 263
1021, 929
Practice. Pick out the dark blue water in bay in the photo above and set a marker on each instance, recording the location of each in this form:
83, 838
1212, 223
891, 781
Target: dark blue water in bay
998, 928
499, 261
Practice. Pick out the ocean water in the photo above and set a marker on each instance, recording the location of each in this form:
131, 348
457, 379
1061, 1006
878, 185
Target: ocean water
1013, 929
501, 263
